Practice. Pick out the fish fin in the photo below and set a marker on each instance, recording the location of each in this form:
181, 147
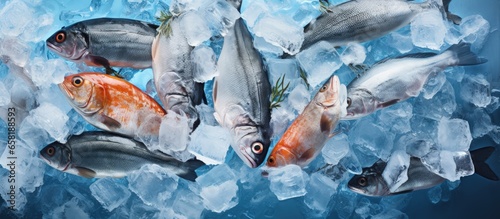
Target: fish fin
191, 165
334, 133
464, 55
85, 172
418, 55
479, 156
402, 192
110, 122
153, 26
214, 91
325, 123
450, 16
98, 60
307, 155
388, 103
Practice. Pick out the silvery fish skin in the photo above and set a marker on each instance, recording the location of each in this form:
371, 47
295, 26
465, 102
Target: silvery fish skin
371, 182
173, 72
101, 154
106, 42
241, 96
394, 80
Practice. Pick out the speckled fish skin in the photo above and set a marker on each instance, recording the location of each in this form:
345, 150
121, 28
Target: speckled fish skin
108, 42
110, 103
241, 96
309, 132
101, 154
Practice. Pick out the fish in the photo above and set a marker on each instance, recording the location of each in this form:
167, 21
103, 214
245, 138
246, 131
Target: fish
371, 182
394, 80
364, 20
107, 42
173, 73
110, 103
241, 95
308, 133
102, 154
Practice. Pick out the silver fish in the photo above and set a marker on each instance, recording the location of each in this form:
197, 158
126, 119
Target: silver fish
241, 96
101, 154
394, 80
363, 20
371, 183
106, 42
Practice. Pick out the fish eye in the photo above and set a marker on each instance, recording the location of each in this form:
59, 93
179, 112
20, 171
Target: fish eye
51, 151
349, 101
362, 181
322, 88
77, 81
257, 148
60, 37
271, 160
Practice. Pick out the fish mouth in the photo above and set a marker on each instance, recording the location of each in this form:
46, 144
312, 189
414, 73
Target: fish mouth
63, 87
54, 48
356, 190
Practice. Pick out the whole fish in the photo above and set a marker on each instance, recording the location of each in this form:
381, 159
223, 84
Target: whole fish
241, 95
101, 154
309, 132
173, 72
371, 182
394, 80
364, 20
110, 103
106, 42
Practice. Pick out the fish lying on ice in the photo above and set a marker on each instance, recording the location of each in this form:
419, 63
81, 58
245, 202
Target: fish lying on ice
309, 132
101, 154
371, 182
110, 103
394, 80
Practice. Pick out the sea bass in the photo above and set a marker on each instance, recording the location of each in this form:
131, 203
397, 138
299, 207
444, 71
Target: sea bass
241, 95
101, 154
364, 20
371, 182
106, 42
309, 132
394, 80
110, 103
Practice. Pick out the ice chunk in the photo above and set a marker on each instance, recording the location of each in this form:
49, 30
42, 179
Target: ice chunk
195, 27
203, 58
44, 72
390, 213
109, 193
52, 119
434, 194
299, 97
495, 134
494, 104
187, 204
475, 29
71, 209
428, 30
96, 8
450, 165
445, 99
371, 139
254, 11
11, 23
306, 12
148, 132
396, 170
480, 122
174, 133
354, 53
335, 149
145, 184
319, 61
265, 47
220, 16
319, 192
401, 42
140, 210
281, 118
13, 50
288, 181
218, 188
351, 163
210, 143
287, 67
454, 135
476, 90
415, 146
397, 118
433, 85
280, 32
206, 114
345, 203
4, 95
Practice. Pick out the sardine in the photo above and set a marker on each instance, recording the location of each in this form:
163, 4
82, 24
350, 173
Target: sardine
371, 182
101, 154
106, 42
309, 132
110, 103
394, 80
241, 95
364, 20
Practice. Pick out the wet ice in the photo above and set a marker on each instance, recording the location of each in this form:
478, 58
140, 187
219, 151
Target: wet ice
319, 61
210, 143
110, 193
218, 188
288, 182
428, 30
476, 90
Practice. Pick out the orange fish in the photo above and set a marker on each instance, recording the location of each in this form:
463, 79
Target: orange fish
308, 133
110, 103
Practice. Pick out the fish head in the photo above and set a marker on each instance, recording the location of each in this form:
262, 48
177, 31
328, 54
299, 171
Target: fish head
84, 92
328, 94
57, 155
69, 44
252, 147
281, 156
360, 102
370, 182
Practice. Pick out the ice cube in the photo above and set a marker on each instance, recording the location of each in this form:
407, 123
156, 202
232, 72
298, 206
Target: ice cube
480, 122
218, 188
13, 50
71, 209
11, 24
494, 104
428, 30
145, 184
148, 132
4, 95
320, 189
445, 99
288, 181
454, 135
306, 12
371, 139
401, 42
281, 117
495, 134
476, 90
354, 53
53, 95
335, 149
52, 120
220, 15
254, 11
174, 133
280, 32
266, 48
320, 61
396, 170
351, 163
96, 8
140, 210
277, 68
475, 29
416, 146
206, 114
44, 72
210, 143
109, 193
390, 213
345, 202
203, 58
450, 165
434, 194
187, 204
397, 118
433, 85
195, 27
299, 97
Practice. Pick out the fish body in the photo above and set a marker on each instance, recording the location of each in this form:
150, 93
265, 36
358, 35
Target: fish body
371, 182
110, 103
101, 154
241, 95
106, 42
309, 132
394, 80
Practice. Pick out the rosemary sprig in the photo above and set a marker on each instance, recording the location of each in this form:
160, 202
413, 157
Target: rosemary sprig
278, 91
304, 77
165, 18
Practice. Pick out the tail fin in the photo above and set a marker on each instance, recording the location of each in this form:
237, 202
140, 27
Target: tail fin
465, 55
479, 156
450, 16
191, 166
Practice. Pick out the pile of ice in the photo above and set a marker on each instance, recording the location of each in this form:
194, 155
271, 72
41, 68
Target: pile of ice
456, 107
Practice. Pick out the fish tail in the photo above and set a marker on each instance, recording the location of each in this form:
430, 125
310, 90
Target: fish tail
443, 6
465, 56
479, 156
191, 166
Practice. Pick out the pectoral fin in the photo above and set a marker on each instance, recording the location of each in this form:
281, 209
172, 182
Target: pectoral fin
109, 122
325, 123
85, 172
309, 154
388, 103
